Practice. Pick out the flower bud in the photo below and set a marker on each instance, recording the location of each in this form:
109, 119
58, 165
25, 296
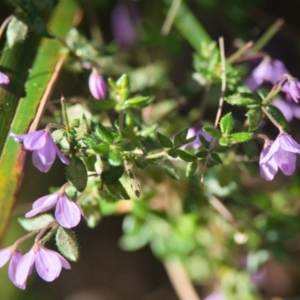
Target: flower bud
4, 79
97, 85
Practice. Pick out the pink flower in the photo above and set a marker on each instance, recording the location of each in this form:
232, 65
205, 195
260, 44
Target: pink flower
4, 79
43, 147
97, 85
290, 110
281, 154
67, 212
48, 265
14, 256
196, 143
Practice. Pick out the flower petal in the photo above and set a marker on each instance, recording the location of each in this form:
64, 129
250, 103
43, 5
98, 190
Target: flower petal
271, 151
269, 168
24, 269
44, 157
288, 144
35, 140
47, 264
12, 269
67, 212
5, 255
65, 264
42, 204
61, 156
4, 79
19, 138
286, 161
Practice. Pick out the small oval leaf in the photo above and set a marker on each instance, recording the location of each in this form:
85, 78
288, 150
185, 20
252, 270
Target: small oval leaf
77, 174
67, 243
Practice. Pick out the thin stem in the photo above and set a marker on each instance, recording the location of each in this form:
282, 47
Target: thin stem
49, 234
268, 35
170, 17
42, 231
261, 136
180, 280
223, 77
239, 52
64, 113
24, 238
156, 155
281, 130
121, 121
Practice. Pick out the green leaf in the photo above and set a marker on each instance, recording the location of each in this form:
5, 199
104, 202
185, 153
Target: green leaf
212, 131
35, 24
115, 158
243, 99
204, 142
104, 104
186, 156
16, 32
216, 158
173, 153
241, 137
77, 174
36, 223
278, 116
138, 102
112, 175
170, 170
191, 169
104, 134
225, 142
254, 118
227, 123
164, 141
102, 149
67, 243
202, 154
114, 192
180, 138
123, 82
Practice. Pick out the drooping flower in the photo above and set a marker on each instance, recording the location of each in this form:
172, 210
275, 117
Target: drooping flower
67, 212
268, 70
280, 154
97, 85
43, 148
4, 79
48, 265
292, 89
14, 256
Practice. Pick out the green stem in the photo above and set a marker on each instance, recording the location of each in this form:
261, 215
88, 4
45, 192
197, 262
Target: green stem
268, 35
239, 52
273, 120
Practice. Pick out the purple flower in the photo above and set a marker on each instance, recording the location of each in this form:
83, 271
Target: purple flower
4, 79
43, 147
267, 70
214, 297
97, 85
67, 212
122, 22
290, 110
282, 154
292, 89
14, 256
48, 265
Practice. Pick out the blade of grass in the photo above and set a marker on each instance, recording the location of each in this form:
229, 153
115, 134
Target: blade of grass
46, 66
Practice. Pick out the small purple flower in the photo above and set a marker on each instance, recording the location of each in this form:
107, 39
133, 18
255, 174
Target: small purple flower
4, 79
14, 256
67, 212
97, 85
267, 70
48, 265
43, 147
292, 89
281, 153
122, 22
